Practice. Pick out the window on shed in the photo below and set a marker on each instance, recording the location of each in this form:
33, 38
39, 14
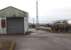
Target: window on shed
3, 23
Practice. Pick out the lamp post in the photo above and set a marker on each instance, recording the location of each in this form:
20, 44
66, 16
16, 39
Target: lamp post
37, 20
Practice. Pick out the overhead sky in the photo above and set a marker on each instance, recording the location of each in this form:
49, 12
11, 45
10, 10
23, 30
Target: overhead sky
49, 10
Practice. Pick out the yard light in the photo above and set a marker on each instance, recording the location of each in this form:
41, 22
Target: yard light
37, 20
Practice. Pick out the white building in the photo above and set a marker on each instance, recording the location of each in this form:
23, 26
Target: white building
13, 21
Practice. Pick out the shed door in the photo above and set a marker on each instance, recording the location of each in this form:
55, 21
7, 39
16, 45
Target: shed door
15, 25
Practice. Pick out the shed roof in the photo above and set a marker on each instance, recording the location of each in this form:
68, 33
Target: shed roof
12, 11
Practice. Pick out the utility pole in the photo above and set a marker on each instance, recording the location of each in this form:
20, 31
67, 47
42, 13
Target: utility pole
37, 20
33, 21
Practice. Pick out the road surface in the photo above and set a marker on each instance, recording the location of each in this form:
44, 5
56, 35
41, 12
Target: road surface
41, 40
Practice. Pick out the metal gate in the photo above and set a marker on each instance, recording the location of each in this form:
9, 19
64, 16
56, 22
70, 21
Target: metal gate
15, 25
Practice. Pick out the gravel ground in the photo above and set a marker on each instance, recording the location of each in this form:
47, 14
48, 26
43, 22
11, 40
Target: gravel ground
41, 40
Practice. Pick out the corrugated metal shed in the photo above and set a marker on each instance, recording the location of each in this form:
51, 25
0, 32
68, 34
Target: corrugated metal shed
16, 21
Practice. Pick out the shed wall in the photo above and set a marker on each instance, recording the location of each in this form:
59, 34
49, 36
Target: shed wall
2, 30
25, 24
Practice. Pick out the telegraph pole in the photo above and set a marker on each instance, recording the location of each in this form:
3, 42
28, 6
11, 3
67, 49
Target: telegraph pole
37, 20
33, 21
